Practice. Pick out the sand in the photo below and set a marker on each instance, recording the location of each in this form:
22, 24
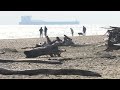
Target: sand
88, 60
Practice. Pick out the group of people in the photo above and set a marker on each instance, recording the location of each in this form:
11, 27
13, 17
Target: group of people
83, 33
72, 31
41, 31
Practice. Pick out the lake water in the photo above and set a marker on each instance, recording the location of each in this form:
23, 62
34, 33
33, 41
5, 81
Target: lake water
32, 31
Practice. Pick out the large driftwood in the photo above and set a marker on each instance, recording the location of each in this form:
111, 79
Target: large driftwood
51, 50
113, 38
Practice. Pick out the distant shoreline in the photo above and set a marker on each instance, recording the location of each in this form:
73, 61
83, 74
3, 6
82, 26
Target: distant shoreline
54, 37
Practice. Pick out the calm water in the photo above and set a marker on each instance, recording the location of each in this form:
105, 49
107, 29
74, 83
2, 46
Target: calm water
32, 31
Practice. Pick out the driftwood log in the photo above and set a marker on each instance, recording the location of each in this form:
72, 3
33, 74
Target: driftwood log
113, 38
51, 50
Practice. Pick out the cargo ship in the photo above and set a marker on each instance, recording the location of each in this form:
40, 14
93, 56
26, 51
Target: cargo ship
27, 20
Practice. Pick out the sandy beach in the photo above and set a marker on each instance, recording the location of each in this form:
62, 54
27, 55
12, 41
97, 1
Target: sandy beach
88, 60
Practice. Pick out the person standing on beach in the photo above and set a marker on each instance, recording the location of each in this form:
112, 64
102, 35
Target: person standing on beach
72, 32
41, 32
84, 30
45, 31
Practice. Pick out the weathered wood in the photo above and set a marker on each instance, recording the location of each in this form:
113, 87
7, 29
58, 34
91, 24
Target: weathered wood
51, 50
113, 38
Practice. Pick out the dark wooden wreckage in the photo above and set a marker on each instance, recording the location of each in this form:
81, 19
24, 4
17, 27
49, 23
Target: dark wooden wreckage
51, 50
113, 38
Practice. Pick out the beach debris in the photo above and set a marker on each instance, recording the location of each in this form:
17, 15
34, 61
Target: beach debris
107, 55
66, 42
49, 47
2, 51
113, 42
51, 50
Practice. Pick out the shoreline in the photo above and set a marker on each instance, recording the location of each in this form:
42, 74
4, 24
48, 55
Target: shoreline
53, 37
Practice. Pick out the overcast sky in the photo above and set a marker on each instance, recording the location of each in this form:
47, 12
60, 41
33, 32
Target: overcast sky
84, 17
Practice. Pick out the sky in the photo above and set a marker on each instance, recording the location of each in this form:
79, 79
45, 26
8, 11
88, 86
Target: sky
84, 17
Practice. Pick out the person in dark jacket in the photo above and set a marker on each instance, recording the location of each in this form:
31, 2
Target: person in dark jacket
41, 32
84, 30
45, 31
72, 32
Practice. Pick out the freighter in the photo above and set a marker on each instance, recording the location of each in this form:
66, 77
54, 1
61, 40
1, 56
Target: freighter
26, 20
